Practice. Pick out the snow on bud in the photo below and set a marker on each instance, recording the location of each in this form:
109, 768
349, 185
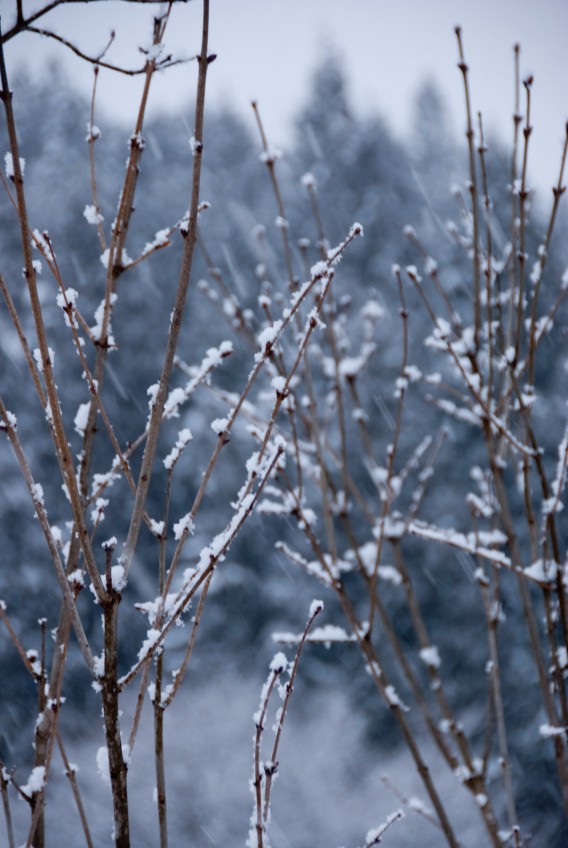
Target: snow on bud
9, 166
412, 373
320, 269
157, 527
76, 579
430, 265
412, 272
219, 425
270, 156
279, 663
67, 298
136, 141
109, 544
98, 513
125, 260
309, 181
279, 384
269, 335
153, 52
315, 608
430, 656
93, 132
92, 215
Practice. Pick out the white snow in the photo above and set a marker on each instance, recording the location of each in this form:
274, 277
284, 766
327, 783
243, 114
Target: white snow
219, 425
161, 239
315, 608
175, 399
98, 513
37, 493
81, 418
38, 358
374, 836
183, 526
269, 335
93, 132
91, 215
157, 527
271, 155
548, 731
430, 656
183, 439
11, 420
152, 637
541, 571
394, 699
36, 781
278, 662
278, 384
9, 165
118, 578
96, 330
309, 181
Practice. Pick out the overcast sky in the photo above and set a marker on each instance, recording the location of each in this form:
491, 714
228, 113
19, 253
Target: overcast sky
267, 50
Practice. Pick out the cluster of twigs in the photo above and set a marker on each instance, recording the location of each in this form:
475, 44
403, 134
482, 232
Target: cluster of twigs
306, 464
77, 562
489, 382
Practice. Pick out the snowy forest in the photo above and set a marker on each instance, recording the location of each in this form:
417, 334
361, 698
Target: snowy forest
283, 451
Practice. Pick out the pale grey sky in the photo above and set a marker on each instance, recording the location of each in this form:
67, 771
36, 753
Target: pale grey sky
267, 50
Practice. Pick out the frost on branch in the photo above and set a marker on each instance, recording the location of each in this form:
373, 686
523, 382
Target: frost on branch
9, 166
97, 328
183, 527
183, 439
198, 374
327, 635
